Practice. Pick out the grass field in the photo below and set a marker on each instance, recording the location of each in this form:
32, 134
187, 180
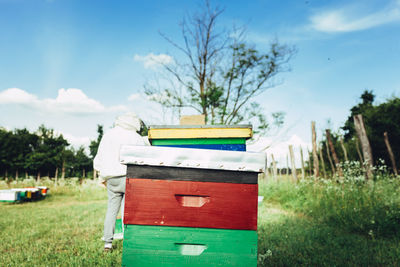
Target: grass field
65, 229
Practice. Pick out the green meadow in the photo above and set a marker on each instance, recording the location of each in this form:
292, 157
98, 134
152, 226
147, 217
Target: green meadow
349, 222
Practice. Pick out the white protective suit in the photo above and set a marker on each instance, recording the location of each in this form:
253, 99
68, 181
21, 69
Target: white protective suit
112, 171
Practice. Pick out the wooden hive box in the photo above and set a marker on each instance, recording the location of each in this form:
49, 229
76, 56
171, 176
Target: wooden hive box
181, 246
219, 137
191, 200
191, 204
9, 196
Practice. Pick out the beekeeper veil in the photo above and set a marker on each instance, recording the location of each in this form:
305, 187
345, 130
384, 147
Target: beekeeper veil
128, 121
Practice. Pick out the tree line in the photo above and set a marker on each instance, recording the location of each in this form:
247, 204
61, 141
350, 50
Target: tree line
41, 153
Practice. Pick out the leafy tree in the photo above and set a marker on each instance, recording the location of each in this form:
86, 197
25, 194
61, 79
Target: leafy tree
68, 167
367, 98
41, 153
6, 140
82, 161
221, 74
377, 119
94, 144
47, 151
24, 147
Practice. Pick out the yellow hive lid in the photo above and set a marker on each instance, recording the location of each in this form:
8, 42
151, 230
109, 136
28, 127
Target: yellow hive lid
199, 131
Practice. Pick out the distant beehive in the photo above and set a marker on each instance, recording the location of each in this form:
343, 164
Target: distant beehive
23, 194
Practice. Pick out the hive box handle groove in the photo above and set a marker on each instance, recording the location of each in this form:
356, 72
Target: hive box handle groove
192, 200
190, 249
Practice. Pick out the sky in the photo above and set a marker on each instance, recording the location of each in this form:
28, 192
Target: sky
73, 64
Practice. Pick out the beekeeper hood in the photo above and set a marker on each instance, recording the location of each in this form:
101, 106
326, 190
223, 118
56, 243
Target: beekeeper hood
128, 121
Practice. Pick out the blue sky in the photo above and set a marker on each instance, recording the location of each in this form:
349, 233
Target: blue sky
74, 64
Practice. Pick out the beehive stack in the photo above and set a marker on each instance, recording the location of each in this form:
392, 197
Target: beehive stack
186, 206
219, 137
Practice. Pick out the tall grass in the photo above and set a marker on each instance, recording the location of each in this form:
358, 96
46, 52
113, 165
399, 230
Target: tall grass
367, 207
330, 222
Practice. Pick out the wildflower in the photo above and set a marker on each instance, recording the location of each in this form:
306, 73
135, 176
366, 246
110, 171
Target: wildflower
371, 233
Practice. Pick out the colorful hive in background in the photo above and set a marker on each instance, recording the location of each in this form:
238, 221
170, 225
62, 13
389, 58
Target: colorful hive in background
191, 207
220, 137
23, 194
9, 196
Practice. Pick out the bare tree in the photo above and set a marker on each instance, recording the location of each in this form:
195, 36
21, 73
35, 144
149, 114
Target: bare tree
220, 73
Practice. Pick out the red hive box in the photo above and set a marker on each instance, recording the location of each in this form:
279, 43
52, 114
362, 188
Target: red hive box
191, 204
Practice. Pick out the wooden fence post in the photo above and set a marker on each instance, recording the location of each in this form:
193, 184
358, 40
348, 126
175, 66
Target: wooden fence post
330, 159
294, 172
310, 163
358, 150
391, 155
335, 158
303, 175
321, 158
365, 146
275, 171
344, 148
314, 144
287, 164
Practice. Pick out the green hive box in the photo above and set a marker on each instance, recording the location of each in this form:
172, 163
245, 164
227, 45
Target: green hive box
182, 246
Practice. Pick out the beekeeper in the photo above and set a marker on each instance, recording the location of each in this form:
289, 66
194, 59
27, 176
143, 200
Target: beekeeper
111, 172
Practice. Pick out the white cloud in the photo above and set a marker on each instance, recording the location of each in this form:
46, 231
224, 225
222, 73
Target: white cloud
16, 96
347, 19
134, 97
153, 61
68, 101
77, 141
280, 149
